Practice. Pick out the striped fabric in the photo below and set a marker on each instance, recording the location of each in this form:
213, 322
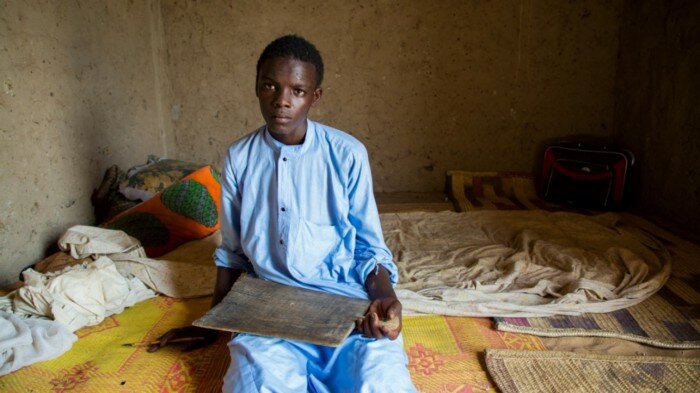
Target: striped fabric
494, 191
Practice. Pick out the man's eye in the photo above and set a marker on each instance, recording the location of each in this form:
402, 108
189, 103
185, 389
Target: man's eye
299, 92
268, 86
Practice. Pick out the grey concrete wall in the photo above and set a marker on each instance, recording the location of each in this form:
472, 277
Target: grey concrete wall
79, 92
427, 86
658, 106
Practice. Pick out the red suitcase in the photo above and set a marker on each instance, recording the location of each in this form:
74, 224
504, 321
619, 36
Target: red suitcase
586, 175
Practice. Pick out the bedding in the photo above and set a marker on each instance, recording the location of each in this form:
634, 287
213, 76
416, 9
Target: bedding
187, 271
471, 191
77, 296
26, 341
522, 263
669, 319
108, 271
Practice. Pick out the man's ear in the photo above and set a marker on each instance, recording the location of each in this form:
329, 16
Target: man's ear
317, 96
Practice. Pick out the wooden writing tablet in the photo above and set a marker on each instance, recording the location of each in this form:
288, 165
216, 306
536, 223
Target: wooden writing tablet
266, 308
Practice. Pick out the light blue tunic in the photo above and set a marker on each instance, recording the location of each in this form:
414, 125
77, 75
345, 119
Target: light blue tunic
305, 215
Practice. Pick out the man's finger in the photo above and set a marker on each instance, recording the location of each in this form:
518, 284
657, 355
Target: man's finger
358, 324
393, 312
373, 307
163, 340
194, 345
374, 324
368, 326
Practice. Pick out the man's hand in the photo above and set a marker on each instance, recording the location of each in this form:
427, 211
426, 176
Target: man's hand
195, 337
383, 319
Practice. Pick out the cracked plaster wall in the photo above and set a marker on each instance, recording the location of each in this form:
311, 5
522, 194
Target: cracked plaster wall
79, 93
427, 86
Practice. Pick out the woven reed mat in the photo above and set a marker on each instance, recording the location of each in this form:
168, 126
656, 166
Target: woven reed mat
665, 320
548, 371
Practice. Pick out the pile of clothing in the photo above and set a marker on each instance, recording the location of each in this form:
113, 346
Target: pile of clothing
37, 320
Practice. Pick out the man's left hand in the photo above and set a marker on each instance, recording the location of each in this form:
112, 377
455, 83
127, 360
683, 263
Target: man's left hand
383, 319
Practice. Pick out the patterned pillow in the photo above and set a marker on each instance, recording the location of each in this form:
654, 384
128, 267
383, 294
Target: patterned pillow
185, 211
144, 181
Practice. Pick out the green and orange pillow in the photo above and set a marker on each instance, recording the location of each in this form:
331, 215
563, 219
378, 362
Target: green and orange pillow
185, 211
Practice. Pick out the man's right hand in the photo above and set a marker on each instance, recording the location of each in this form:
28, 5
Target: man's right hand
195, 337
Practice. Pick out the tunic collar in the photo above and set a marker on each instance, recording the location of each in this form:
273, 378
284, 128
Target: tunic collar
280, 147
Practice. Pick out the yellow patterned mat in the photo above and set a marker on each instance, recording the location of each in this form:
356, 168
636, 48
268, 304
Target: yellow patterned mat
445, 354
99, 363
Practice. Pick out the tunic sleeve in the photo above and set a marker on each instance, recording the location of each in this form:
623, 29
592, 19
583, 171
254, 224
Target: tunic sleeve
230, 253
370, 249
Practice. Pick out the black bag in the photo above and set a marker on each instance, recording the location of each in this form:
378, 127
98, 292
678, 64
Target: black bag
586, 175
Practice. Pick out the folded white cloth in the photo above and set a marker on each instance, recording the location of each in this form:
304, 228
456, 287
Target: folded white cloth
27, 341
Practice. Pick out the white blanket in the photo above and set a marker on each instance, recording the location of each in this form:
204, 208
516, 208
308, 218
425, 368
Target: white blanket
27, 341
525, 263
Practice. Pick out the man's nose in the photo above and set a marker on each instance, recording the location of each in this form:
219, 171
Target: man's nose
283, 99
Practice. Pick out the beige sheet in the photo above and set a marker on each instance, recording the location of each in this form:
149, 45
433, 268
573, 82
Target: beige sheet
525, 263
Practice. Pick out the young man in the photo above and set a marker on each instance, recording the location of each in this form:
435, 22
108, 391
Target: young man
298, 209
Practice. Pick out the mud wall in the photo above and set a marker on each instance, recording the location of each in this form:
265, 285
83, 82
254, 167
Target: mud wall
426, 86
79, 93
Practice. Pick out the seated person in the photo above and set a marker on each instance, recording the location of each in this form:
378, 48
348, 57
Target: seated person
297, 208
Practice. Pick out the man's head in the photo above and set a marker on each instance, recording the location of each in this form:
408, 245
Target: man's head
288, 84
293, 47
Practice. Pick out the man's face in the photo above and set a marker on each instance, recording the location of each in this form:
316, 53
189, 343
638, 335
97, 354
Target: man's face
286, 89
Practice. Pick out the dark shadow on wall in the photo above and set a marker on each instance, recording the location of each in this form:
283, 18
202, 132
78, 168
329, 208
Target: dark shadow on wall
657, 111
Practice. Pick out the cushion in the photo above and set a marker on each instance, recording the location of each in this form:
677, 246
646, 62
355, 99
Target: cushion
185, 211
144, 181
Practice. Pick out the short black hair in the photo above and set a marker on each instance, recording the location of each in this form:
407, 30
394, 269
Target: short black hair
295, 47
